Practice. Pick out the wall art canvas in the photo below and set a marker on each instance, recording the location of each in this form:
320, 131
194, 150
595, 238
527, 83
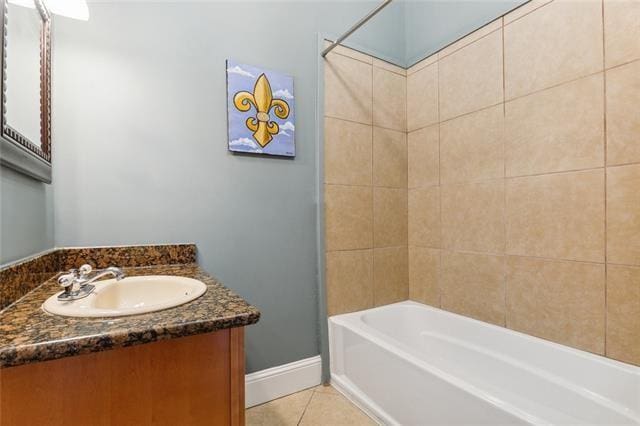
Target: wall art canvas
260, 110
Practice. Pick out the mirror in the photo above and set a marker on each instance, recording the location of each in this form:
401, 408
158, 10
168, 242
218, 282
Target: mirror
26, 85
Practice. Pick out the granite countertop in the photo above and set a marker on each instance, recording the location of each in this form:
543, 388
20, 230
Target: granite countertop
28, 334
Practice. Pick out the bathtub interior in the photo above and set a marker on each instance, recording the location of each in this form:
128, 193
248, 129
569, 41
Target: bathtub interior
529, 375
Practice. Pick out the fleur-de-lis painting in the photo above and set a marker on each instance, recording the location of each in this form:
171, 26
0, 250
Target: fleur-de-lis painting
260, 110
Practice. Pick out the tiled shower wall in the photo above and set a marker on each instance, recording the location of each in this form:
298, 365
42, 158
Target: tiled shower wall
365, 182
522, 164
524, 175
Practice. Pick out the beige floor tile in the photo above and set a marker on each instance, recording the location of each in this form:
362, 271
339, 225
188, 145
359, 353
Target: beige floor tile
623, 114
557, 300
471, 78
326, 389
280, 412
472, 147
558, 129
526, 8
558, 42
621, 31
333, 409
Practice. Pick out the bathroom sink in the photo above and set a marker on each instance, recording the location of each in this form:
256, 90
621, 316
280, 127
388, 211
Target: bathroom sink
129, 296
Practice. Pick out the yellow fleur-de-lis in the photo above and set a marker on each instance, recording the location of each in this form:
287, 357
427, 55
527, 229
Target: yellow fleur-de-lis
263, 101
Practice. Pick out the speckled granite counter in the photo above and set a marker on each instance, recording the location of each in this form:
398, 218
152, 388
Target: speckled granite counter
28, 334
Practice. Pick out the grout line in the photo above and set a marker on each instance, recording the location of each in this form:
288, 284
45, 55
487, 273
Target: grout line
373, 194
504, 175
313, 392
440, 231
604, 79
363, 124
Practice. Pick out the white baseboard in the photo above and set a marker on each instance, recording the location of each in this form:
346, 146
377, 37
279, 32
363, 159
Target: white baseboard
272, 383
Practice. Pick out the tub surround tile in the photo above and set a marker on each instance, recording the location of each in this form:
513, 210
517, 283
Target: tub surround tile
347, 152
389, 217
422, 97
424, 217
472, 147
390, 275
470, 38
348, 89
623, 214
558, 129
557, 300
423, 63
389, 158
389, 67
473, 285
623, 313
621, 31
389, 99
473, 217
471, 78
423, 157
348, 217
523, 10
623, 117
558, 216
555, 43
424, 272
346, 51
349, 281
28, 334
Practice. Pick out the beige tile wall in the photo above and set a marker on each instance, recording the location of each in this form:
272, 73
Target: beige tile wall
507, 188
524, 175
365, 174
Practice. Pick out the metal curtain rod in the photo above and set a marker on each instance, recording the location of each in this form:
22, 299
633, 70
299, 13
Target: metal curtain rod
357, 25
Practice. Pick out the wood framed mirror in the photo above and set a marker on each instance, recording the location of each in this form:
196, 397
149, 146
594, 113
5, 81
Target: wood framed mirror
25, 118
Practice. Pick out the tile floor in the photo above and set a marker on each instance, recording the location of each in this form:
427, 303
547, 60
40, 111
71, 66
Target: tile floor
322, 405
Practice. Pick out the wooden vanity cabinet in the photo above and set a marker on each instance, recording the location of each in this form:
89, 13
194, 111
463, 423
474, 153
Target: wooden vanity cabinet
194, 380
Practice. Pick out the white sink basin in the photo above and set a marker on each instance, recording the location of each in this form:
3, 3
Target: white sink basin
129, 296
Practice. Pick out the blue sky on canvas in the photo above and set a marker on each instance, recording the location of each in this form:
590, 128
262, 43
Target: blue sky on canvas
242, 77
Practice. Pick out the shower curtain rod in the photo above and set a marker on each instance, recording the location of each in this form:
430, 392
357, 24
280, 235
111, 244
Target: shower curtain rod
357, 25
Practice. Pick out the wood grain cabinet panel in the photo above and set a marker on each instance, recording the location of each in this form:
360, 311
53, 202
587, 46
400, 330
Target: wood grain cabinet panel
195, 380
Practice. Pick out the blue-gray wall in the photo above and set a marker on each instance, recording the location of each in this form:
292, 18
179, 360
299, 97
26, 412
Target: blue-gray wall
26, 216
139, 128
430, 25
140, 142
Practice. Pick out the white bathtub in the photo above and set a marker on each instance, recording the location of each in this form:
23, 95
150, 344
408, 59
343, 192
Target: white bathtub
412, 364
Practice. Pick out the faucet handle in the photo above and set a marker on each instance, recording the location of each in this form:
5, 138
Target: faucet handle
67, 280
85, 270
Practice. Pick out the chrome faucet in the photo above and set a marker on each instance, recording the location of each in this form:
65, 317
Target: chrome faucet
77, 282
